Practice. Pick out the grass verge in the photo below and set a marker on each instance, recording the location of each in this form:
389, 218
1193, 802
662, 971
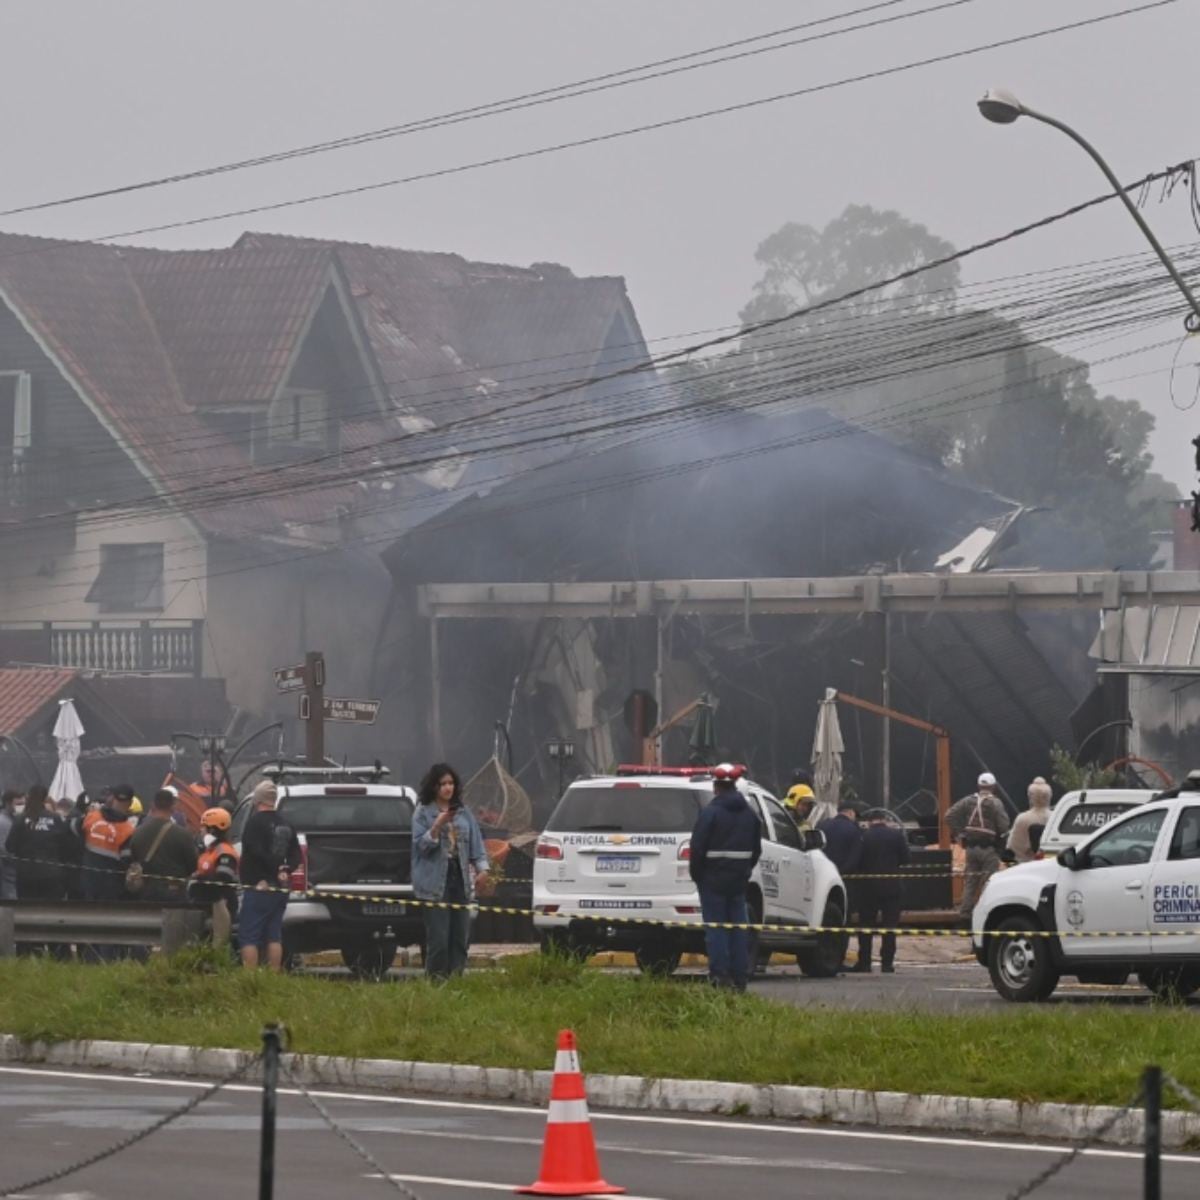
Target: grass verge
509, 1017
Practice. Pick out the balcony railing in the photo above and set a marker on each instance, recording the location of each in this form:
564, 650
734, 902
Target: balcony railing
161, 647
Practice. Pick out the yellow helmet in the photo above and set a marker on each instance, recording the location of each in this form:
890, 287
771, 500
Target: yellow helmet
135, 808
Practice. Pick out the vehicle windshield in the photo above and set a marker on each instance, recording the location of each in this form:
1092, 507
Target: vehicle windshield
1087, 818
306, 814
608, 809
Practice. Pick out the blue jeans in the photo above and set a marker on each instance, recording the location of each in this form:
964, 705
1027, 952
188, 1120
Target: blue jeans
728, 949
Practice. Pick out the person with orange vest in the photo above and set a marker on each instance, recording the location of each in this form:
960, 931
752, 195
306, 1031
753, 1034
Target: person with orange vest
106, 852
213, 786
216, 877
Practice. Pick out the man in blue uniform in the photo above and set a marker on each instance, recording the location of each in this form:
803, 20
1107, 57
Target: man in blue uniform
726, 845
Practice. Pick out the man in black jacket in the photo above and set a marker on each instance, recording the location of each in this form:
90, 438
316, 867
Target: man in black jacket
884, 852
270, 851
726, 845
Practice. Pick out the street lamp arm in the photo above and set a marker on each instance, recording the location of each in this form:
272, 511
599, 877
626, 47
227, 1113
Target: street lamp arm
1193, 321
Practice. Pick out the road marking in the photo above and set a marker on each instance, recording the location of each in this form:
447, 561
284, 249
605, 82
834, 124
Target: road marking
687, 1158
784, 1126
471, 1183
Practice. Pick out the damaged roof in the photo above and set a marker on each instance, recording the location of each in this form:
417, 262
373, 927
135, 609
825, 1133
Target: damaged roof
157, 340
740, 495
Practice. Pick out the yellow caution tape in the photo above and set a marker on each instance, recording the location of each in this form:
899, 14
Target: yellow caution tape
613, 916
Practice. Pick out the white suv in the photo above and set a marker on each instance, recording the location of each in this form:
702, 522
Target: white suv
614, 859
1125, 900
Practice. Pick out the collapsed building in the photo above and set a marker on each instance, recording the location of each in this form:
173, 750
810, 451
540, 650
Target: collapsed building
751, 499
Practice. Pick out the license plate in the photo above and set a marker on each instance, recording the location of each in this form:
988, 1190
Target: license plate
383, 910
612, 904
624, 864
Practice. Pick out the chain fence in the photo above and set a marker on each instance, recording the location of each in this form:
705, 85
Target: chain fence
347, 1137
1064, 1161
134, 1138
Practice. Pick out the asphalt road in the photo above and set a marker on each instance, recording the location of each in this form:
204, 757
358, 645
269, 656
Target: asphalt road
956, 987
444, 1149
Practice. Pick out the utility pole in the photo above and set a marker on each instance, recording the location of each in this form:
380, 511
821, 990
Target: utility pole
314, 695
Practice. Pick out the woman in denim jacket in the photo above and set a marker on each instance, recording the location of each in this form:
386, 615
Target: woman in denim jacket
448, 857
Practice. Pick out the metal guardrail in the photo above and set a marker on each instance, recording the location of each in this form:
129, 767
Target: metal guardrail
121, 923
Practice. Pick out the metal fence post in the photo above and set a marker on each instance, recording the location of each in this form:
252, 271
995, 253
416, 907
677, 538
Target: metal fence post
266, 1161
8, 932
1152, 1166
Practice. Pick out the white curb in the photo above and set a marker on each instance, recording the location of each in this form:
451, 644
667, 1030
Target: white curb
843, 1106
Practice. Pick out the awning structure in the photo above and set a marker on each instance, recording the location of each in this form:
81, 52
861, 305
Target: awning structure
1161, 638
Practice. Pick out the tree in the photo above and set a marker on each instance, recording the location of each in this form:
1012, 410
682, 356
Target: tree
1020, 419
804, 266
1049, 444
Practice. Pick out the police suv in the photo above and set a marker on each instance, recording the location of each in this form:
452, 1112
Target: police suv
1136, 878
613, 860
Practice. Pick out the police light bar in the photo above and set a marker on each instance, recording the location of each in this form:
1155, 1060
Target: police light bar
669, 772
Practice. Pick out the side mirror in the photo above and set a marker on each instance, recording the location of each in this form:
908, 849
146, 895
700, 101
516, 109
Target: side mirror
1070, 859
813, 839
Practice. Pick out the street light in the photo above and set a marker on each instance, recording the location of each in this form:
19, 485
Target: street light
1003, 108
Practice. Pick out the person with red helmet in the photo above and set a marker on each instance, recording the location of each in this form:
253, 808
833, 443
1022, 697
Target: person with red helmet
726, 845
216, 876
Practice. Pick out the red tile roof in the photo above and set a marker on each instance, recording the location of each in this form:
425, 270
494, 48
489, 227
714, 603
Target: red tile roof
26, 691
155, 338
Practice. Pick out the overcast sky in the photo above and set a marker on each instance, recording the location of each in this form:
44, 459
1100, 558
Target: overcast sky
99, 95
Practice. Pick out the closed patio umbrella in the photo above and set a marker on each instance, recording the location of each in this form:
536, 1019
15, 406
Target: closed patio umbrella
827, 751
68, 729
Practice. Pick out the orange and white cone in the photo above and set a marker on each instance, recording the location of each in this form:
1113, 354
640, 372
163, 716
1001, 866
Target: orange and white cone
569, 1163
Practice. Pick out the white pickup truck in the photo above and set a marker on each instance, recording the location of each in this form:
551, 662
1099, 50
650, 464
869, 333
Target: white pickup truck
1133, 886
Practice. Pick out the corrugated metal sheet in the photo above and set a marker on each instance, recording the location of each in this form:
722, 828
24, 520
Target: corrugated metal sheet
1163, 636
990, 686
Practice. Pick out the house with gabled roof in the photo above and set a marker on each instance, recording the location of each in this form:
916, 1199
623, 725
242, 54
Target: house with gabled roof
202, 452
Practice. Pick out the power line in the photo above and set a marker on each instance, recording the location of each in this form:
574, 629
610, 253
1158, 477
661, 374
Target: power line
1056, 287
833, 430
760, 395
614, 135
258, 490
566, 91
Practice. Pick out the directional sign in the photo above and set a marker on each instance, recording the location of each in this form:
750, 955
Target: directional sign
289, 679
361, 712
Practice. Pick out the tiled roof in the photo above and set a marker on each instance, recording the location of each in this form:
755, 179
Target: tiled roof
230, 320
156, 338
26, 691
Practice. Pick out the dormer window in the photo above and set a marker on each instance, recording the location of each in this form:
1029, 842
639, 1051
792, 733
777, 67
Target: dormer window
299, 417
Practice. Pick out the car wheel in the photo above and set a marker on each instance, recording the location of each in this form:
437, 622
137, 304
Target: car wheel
369, 960
1019, 964
824, 960
1171, 985
659, 958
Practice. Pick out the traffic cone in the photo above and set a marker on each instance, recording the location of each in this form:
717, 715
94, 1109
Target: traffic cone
569, 1163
